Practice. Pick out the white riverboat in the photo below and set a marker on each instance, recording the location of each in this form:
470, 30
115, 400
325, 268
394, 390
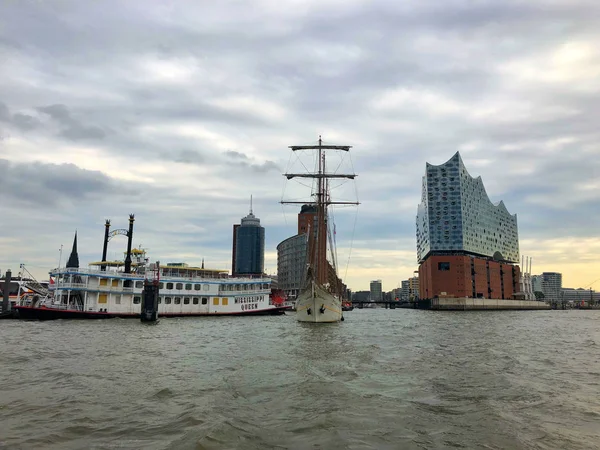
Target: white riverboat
104, 291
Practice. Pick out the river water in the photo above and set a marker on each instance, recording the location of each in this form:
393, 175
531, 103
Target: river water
383, 379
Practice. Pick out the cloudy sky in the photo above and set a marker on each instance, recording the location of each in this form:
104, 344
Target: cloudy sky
179, 111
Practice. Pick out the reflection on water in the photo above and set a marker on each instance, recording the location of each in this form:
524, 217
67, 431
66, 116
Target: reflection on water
381, 379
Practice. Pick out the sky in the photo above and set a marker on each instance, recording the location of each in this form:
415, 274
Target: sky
178, 111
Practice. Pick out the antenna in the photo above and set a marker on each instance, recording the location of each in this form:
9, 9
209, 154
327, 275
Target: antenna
250, 203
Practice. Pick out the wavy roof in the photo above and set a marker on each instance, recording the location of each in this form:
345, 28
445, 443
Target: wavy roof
456, 157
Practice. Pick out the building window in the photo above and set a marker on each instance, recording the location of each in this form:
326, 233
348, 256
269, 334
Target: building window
444, 266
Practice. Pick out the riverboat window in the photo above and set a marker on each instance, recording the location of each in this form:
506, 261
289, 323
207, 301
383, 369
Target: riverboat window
215, 301
159, 300
177, 300
179, 286
103, 281
117, 299
169, 285
137, 299
196, 300
167, 300
225, 301
188, 287
444, 266
139, 284
115, 283
186, 301
161, 285
206, 287
197, 287
205, 300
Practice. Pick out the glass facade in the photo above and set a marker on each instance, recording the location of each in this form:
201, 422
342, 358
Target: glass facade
291, 264
250, 247
456, 214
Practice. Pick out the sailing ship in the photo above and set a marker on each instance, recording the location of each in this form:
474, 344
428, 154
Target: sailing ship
320, 299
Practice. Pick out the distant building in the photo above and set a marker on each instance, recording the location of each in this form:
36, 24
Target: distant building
552, 286
291, 264
376, 291
361, 296
536, 282
580, 295
466, 245
404, 291
248, 247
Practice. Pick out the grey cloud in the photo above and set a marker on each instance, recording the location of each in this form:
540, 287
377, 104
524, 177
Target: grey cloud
25, 122
72, 128
189, 156
236, 155
48, 185
4, 113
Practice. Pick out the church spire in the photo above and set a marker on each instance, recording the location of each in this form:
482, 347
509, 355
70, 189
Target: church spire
74, 257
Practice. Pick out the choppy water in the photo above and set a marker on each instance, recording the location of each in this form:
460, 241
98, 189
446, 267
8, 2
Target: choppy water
383, 379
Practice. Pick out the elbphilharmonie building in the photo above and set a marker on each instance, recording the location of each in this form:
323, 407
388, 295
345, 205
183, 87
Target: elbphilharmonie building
466, 245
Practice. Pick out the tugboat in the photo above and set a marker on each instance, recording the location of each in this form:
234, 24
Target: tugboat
320, 299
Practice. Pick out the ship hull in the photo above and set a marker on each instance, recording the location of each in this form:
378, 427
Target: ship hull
316, 305
35, 313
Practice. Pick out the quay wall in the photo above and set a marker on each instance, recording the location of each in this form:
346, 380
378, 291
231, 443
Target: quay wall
474, 304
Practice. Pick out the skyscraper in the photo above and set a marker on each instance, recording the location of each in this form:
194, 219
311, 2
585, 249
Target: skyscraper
248, 246
466, 245
552, 286
376, 291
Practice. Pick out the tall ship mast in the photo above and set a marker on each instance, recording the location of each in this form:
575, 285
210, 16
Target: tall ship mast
320, 299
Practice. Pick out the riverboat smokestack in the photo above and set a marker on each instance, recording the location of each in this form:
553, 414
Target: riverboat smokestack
129, 239
6, 291
105, 248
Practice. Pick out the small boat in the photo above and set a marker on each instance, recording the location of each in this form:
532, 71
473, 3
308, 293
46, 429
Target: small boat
320, 299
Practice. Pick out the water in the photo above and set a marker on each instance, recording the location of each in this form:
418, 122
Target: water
383, 379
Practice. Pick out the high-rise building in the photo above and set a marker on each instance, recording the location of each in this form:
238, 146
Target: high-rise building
248, 246
291, 264
536, 282
552, 286
466, 245
376, 291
